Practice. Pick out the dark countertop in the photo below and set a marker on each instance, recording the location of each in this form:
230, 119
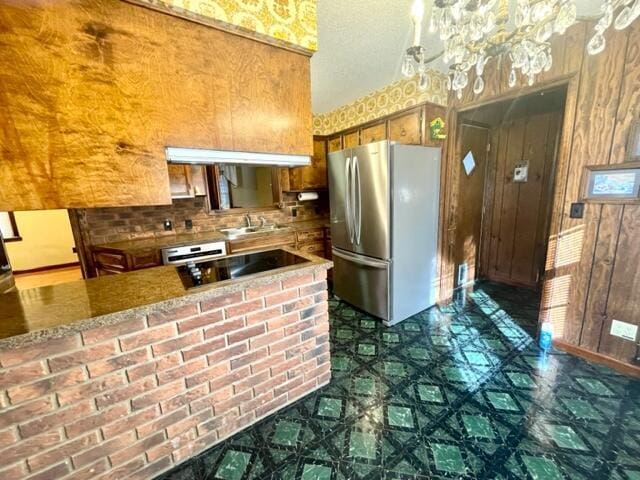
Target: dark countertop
35, 315
160, 242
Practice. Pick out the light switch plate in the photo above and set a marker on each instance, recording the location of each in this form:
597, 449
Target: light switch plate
624, 330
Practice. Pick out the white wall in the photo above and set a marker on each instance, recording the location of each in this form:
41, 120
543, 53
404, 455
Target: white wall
46, 240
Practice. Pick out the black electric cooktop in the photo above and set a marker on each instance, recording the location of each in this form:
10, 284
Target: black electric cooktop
196, 274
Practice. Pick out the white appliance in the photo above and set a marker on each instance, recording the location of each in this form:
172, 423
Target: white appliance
384, 227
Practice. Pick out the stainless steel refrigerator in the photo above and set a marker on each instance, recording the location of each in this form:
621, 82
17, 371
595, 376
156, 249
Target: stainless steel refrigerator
384, 227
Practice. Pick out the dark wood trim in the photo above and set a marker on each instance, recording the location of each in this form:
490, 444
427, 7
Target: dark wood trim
384, 118
14, 227
12, 239
224, 26
617, 365
47, 268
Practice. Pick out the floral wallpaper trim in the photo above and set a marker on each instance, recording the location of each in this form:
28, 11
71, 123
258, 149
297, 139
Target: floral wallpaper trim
392, 98
291, 21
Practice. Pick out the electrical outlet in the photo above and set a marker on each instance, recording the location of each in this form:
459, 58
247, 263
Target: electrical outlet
168, 225
577, 210
294, 212
624, 330
188, 224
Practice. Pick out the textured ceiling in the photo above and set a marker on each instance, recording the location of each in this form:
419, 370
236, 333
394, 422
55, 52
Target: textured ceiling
360, 44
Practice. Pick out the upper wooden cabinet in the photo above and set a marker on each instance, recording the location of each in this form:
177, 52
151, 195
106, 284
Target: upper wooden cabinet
187, 181
407, 127
88, 112
351, 139
373, 133
315, 175
334, 144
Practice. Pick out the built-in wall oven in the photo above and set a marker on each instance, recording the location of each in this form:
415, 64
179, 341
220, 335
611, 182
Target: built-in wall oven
7, 283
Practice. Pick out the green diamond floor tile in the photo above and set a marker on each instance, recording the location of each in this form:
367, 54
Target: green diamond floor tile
430, 393
566, 437
521, 380
502, 401
478, 426
364, 386
366, 349
542, 468
448, 458
286, 433
595, 386
233, 465
363, 445
330, 407
398, 416
316, 472
388, 337
459, 391
581, 409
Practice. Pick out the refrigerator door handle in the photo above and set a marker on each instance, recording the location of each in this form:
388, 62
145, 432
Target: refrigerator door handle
358, 229
359, 260
352, 201
347, 203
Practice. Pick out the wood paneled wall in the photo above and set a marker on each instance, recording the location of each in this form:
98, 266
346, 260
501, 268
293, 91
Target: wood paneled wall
591, 274
91, 91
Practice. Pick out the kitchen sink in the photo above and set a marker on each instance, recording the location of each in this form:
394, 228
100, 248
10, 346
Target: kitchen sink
232, 233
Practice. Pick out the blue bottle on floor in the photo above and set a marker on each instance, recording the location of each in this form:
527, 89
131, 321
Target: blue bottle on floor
545, 338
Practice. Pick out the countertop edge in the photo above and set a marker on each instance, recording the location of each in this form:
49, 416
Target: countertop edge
208, 292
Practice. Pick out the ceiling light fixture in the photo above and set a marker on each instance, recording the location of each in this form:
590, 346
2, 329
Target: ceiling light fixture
628, 11
475, 31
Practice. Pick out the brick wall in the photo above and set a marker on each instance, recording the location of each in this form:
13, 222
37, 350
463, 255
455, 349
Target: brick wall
104, 225
140, 396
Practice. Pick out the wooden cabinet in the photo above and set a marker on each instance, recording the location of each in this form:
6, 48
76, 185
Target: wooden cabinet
407, 127
311, 241
187, 181
351, 139
315, 175
334, 144
89, 123
373, 133
110, 261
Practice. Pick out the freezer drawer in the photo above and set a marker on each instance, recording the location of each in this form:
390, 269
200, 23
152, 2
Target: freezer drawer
362, 282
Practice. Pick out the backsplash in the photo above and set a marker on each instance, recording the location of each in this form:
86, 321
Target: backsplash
105, 225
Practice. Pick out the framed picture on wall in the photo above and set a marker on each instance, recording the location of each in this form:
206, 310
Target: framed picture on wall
617, 183
633, 145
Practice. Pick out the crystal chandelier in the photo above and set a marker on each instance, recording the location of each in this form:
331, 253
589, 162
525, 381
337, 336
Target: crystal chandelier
628, 11
475, 31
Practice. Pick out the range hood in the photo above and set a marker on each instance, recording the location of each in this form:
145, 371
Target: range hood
203, 156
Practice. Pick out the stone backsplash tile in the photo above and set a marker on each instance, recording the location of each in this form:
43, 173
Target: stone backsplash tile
105, 225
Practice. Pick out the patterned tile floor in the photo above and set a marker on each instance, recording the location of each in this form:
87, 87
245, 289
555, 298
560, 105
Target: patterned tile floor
454, 392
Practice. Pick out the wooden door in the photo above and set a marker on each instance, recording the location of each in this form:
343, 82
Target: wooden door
520, 210
474, 140
334, 144
351, 139
373, 133
407, 128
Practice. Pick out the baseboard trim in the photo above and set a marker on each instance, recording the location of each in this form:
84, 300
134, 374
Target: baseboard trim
619, 366
47, 267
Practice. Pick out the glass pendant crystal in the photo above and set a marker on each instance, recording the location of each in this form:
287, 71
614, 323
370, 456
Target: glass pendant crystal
624, 18
408, 70
478, 85
544, 33
423, 81
512, 78
531, 78
596, 44
549, 64
459, 94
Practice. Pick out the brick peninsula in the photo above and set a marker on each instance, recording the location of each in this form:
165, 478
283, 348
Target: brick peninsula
129, 375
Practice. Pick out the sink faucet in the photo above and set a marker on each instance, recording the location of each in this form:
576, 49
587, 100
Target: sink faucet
248, 218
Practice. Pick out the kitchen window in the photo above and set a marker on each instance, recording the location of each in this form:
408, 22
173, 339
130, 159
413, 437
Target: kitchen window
9, 227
